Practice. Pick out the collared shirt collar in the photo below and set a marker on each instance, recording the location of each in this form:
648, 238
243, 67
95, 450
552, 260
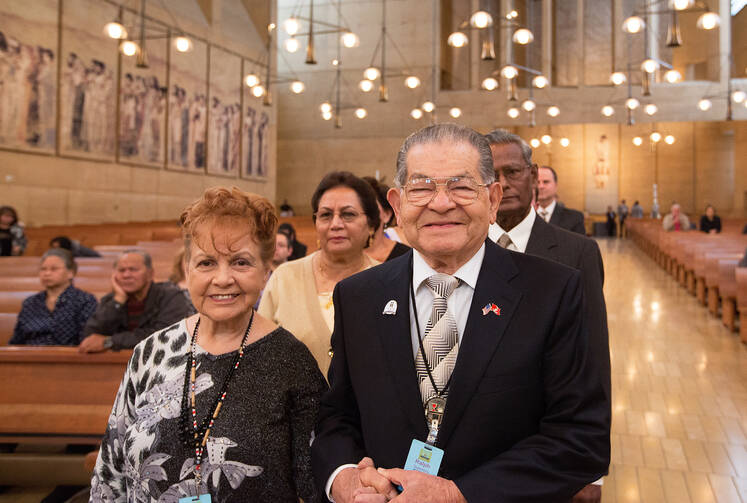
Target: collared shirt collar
468, 273
519, 235
551, 208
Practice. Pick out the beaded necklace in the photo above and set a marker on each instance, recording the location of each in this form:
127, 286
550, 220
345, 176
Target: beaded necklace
195, 435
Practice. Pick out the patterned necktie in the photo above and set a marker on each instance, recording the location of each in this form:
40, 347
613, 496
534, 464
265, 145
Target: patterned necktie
543, 213
440, 341
504, 241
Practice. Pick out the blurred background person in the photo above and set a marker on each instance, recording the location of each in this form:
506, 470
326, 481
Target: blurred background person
710, 222
299, 249
636, 211
611, 223
382, 247
12, 237
73, 246
56, 315
298, 295
675, 220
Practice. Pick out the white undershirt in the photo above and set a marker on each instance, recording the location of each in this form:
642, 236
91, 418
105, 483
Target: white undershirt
519, 234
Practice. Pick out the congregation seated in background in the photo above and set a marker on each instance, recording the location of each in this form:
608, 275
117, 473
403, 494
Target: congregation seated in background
675, 220
12, 237
382, 247
56, 315
710, 222
298, 295
73, 246
136, 307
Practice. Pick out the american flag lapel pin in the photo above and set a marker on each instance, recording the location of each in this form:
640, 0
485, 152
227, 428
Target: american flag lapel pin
491, 308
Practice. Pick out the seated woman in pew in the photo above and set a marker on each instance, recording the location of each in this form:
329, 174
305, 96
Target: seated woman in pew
56, 315
221, 405
73, 246
710, 222
12, 238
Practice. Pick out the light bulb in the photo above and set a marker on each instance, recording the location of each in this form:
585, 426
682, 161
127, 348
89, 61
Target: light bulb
325, 107
650, 109
115, 30
350, 39
528, 105
129, 48
509, 72
292, 44
481, 19
705, 104
513, 112
455, 112
618, 78
608, 110
540, 81
182, 44
534, 142
633, 24
366, 85
292, 26
412, 82
512, 14
672, 76
251, 80
637, 141
361, 113
546, 139
738, 96
565, 142
258, 91
371, 73
708, 21
326, 115
490, 84
669, 139
457, 39
297, 86
655, 137
553, 111
632, 103
650, 65
335, 62
681, 4
522, 36
416, 113
428, 106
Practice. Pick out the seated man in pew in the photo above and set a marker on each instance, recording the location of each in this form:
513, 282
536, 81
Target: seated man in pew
56, 315
675, 220
136, 307
73, 246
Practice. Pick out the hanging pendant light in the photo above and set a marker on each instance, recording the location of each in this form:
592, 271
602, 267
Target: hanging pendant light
674, 37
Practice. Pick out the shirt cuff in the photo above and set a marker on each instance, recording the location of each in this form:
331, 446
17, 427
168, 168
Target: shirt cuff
599, 482
328, 487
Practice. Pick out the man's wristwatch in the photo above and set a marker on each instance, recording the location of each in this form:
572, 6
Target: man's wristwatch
108, 343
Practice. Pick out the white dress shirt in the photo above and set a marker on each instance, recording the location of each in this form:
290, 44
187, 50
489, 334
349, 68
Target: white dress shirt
549, 210
458, 304
519, 234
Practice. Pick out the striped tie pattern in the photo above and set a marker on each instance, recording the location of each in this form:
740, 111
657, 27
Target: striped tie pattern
440, 341
504, 241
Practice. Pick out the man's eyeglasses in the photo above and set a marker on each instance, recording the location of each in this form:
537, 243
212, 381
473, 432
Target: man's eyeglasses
512, 172
460, 189
326, 216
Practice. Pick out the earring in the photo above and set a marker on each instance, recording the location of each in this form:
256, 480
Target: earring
318, 244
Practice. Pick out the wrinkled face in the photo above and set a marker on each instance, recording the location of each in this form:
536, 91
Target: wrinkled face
443, 228
131, 274
548, 188
53, 273
282, 249
226, 274
341, 225
517, 179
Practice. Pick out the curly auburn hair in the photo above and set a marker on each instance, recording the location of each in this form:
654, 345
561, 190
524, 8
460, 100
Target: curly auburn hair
234, 206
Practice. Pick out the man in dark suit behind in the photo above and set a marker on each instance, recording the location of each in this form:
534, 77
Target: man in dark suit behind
526, 418
529, 234
550, 209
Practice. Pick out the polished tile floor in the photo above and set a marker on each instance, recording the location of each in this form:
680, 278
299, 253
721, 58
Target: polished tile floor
679, 390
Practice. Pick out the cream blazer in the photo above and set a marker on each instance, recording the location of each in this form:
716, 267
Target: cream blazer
290, 299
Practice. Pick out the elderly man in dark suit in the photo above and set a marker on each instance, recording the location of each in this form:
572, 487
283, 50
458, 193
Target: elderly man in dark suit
518, 228
550, 209
463, 362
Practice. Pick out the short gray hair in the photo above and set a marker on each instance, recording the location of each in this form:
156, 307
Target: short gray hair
503, 137
446, 132
64, 255
147, 260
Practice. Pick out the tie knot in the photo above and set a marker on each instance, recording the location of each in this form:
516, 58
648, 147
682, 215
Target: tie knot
442, 284
504, 240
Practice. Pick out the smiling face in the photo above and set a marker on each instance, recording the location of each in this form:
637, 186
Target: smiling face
341, 224
442, 231
53, 273
132, 274
225, 272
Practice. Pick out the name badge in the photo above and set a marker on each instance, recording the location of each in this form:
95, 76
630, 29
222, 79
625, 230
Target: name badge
423, 458
202, 498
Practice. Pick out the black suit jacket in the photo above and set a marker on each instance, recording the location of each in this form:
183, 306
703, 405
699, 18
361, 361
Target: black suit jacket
582, 253
566, 218
526, 416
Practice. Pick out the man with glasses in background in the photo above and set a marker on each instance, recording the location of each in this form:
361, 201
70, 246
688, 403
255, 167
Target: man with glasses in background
459, 369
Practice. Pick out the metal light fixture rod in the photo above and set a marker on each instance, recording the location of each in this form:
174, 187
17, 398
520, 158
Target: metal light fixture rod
310, 44
434, 56
338, 82
267, 100
383, 90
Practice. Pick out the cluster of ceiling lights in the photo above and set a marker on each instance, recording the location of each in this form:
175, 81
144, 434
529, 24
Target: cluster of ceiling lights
546, 139
116, 30
655, 137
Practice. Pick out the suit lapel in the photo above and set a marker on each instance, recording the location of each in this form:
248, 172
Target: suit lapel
397, 342
542, 242
482, 334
